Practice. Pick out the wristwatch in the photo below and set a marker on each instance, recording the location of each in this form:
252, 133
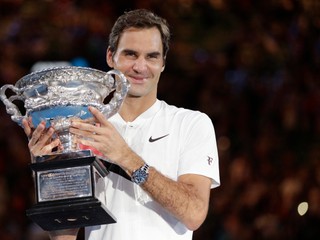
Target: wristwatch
140, 175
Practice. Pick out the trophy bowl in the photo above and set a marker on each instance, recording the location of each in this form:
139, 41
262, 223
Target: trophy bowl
69, 183
57, 95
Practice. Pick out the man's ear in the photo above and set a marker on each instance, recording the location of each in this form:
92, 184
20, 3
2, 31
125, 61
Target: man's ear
109, 58
164, 63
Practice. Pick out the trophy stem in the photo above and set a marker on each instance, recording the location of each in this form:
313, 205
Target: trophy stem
67, 142
61, 126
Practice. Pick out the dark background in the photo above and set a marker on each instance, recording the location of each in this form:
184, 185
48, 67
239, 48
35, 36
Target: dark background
252, 66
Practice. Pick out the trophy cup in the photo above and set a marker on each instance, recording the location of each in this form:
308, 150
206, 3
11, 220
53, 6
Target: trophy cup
69, 184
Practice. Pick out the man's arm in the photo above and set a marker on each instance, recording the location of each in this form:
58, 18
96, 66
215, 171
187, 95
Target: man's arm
187, 199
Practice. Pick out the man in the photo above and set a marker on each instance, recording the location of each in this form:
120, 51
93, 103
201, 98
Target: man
168, 153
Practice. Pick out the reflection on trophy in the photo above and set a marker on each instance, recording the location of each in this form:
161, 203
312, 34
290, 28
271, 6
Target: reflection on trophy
69, 183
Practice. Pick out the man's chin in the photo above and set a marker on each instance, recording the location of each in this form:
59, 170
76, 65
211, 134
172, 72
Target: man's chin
134, 94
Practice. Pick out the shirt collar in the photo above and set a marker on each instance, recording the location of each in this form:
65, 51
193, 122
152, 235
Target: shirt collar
150, 112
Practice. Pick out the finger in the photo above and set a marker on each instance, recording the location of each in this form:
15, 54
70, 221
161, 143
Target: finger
48, 148
26, 127
38, 150
36, 135
87, 120
39, 140
85, 130
85, 127
30, 122
89, 141
98, 116
46, 136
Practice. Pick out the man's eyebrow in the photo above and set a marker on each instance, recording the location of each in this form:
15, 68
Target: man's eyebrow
154, 54
150, 54
126, 51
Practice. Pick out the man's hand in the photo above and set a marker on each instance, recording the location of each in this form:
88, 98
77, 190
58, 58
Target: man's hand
39, 138
102, 136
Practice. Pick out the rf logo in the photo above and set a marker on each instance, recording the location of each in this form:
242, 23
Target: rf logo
210, 160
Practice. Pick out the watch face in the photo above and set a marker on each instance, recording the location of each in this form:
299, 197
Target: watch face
140, 175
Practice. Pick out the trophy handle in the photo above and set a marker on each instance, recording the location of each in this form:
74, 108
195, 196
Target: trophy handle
11, 108
121, 88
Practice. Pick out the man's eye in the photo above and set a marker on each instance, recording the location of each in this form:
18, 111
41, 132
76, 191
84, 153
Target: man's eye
155, 56
132, 54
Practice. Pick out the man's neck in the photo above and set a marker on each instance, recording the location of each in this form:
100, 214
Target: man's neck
133, 107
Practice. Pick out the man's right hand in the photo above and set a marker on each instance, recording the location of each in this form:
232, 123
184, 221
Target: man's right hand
40, 138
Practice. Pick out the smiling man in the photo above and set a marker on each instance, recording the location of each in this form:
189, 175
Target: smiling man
160, 180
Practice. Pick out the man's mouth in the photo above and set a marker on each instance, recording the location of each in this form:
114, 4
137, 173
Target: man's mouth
137, 79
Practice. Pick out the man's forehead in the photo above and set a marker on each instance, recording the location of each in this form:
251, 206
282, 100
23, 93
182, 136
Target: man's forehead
153, 33
146, 40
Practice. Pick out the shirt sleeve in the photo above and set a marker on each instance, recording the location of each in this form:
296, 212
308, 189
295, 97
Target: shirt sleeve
199, 153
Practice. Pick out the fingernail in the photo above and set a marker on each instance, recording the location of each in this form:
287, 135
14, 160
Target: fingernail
91, 108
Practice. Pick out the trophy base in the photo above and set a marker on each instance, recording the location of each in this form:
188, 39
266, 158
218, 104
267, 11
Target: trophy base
70, 214
69, 192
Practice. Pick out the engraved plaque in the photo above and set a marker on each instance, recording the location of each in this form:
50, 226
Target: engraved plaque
64, 183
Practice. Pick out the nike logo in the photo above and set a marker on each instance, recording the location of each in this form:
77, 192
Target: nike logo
156, 139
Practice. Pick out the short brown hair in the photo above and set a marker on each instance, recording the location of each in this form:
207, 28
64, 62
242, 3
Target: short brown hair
140, 18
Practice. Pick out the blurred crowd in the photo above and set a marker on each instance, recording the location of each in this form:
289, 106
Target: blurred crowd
252, 66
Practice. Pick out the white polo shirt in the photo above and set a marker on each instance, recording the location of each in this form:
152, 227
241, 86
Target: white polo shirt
173, 140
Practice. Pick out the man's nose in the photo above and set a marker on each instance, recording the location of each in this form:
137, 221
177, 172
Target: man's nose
140, 64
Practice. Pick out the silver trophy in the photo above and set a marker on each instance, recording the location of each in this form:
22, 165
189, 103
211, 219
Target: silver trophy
69, 182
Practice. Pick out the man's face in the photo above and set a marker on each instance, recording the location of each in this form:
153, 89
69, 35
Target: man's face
139, 57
